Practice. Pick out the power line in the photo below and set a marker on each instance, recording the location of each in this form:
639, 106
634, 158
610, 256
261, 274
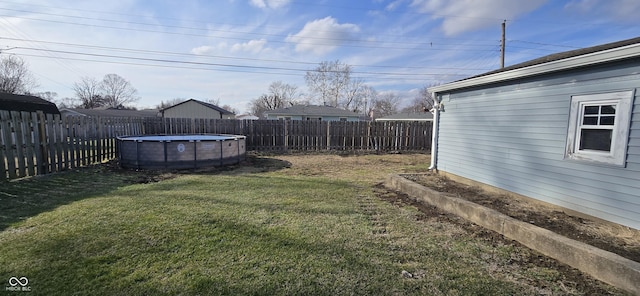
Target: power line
212, 64
244, 39
146, 51
209, 69
545, 44
220, 30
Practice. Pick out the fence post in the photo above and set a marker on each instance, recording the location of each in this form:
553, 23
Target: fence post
41, 142
286, 135
328, 135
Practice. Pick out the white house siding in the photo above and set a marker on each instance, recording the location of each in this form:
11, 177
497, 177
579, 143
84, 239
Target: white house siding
324, 118
191, 109
513, 135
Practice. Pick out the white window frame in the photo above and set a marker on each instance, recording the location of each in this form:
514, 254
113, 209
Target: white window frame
620, 136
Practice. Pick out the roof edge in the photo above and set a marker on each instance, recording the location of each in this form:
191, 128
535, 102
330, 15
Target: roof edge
614, 54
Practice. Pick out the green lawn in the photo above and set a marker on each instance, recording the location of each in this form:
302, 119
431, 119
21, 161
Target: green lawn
303, 230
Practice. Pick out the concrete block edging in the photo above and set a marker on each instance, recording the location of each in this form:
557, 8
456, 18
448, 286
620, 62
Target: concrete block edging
602, 265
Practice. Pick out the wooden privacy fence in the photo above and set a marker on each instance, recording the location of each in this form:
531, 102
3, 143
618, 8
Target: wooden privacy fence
37, 143
301, 135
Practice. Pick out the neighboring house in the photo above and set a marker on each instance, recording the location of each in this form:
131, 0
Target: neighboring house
563, 129
247, 117
108, 112
313, 112
422, 116
196, 109
13, 102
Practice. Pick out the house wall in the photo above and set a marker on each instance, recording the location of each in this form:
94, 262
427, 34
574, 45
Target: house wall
512, 136
192, 109
300, 117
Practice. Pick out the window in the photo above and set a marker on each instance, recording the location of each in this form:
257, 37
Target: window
599, 127
343, 119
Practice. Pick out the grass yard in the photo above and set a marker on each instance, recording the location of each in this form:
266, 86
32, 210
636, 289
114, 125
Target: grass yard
280, 225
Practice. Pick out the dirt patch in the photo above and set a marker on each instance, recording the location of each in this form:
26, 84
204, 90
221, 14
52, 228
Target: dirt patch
617, 239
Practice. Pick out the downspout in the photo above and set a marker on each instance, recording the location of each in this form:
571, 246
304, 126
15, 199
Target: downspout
434, 132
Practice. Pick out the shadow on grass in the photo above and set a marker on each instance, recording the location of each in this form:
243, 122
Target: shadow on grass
253, 164
28, 197
24, 198
269, 260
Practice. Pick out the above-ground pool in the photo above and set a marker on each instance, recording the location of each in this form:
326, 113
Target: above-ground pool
180, 151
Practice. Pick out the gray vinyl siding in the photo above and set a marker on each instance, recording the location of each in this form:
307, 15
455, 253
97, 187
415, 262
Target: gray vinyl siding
512, 136
303, 117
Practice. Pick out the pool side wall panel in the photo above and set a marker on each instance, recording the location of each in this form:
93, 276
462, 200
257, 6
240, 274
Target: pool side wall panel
181, 154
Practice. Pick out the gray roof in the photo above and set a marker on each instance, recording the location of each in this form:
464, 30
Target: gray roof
13, 102
108, 112
208, 105
312, 110
422, 116
564, 55
595, 55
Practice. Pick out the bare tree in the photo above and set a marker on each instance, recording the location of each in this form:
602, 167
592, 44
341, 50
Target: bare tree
47, 95
328, 82
67, 102
15, 77
265, 103
286, 92
169, 103
213, 101
354, 95
88, 92
230, 109
117, 91
280, 95
332, 84
386, 104
422, 102
52, 96
369, 96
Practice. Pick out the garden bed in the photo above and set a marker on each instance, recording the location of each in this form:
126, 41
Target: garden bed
617, 239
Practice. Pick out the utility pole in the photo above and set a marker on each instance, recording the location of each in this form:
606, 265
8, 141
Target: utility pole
502, 41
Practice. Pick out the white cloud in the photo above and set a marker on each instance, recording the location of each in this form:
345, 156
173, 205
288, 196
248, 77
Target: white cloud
202, 50
258, 3
322, 36
622, 10
393, 5
468, 15
206, 49
253, 46
269, 3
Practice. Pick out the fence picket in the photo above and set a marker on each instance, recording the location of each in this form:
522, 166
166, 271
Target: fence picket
35, 143
18, 138
8, 164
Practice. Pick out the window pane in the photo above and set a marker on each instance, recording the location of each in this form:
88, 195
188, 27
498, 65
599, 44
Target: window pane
593, 139
591, 109
607, 120
590, 120
609, 109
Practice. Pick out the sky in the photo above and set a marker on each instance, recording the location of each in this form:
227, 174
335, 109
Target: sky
232, 50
